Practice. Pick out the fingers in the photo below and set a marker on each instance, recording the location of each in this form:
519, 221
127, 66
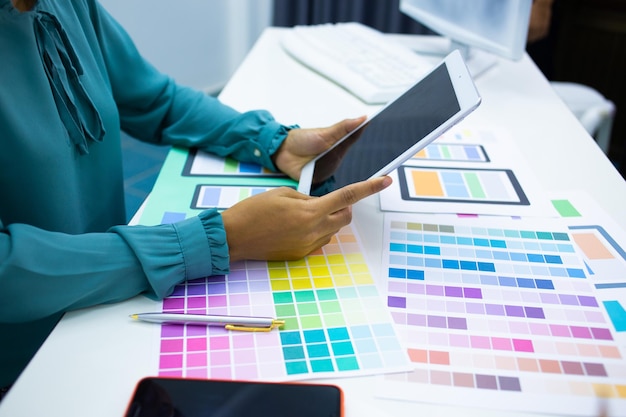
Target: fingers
341, 129
350, 124
350, 194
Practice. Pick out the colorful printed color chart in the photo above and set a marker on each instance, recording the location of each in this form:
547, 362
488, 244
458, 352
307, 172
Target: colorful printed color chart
191, 181
606, 266
501, 313
466, 170
604, 255
202, 164
485, 186
223, 196
336, 321
453, 152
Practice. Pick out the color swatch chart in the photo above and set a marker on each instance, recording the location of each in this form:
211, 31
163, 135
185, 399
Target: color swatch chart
499, 313
337, 323
485, 186
201, 163
223, 196
605, 257
191, 181
602, 247
453, 152
467, 170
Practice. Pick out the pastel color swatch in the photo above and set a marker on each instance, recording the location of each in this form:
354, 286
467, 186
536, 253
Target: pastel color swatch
453, 152
223, 196
482, 185
336, 321
504, 308
603, 255
200, 163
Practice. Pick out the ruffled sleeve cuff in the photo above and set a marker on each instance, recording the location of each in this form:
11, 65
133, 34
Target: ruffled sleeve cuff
216, 237
274, 137
201, 251
204, 251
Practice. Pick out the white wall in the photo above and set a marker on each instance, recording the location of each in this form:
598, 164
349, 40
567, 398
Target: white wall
198, 42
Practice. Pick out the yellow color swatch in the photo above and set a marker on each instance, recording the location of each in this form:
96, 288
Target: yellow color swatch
421, 154
604, 390
336, 259
298, 272
320, 271
278, 273
301, 284
359, 268
363, 279
339, 270
316, 260
280, 285
343, 281
298, 262
325, 282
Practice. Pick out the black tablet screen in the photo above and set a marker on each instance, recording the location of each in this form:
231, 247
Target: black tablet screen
400, 125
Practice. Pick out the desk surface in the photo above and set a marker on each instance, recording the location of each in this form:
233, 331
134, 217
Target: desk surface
79, 371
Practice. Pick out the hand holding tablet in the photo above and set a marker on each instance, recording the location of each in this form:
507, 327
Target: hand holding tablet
399, 130
285, 224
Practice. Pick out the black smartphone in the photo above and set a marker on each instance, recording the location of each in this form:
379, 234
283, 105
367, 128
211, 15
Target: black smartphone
178, 397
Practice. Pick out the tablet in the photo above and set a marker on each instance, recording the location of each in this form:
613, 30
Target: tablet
396, 132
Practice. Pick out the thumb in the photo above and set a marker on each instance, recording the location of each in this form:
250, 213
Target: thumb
342, 128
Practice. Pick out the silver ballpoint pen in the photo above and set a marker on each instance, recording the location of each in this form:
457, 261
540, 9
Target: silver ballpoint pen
241, 323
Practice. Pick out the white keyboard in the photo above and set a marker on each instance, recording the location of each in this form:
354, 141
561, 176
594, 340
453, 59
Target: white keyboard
356, 57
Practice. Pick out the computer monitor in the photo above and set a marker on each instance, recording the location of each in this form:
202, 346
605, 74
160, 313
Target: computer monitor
496, 26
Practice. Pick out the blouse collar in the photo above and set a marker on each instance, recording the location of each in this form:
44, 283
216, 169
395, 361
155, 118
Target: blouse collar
63, 70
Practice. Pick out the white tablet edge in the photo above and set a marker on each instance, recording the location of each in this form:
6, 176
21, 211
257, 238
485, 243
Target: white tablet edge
467, 97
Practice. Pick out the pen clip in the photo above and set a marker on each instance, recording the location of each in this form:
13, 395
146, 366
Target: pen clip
240, 328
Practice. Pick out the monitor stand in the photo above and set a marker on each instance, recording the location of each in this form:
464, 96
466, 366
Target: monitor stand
437, 47
477, 60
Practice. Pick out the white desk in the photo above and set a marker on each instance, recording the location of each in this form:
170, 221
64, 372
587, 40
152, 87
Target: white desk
92, 360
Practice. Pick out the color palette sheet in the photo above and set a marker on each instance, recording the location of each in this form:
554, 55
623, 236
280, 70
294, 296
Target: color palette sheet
601, 245
223, 196
600, 241
442, 151
191, 181
467, 170
484, 186
503, 313
201, 163
337, 323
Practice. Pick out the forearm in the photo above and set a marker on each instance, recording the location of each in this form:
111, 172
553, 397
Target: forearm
43, 273
210, 125
154, 108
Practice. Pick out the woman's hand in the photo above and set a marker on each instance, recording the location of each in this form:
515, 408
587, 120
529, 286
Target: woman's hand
302, 145
283, 224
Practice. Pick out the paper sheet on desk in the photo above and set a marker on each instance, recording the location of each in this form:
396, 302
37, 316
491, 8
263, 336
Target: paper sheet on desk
336, 321
191, 181
514, 314
467, 170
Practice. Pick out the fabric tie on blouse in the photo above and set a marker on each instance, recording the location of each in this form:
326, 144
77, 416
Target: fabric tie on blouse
76, 110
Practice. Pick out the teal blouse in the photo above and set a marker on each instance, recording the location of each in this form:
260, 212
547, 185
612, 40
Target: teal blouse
70, 79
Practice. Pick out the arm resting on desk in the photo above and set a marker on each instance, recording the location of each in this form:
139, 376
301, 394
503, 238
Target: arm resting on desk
42, 273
